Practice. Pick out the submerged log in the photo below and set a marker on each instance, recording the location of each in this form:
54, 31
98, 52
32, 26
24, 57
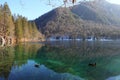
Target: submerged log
92, 64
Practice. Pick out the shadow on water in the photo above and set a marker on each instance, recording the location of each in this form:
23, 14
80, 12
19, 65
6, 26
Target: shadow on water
60, 60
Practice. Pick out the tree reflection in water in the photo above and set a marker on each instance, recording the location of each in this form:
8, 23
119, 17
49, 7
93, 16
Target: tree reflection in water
62, 57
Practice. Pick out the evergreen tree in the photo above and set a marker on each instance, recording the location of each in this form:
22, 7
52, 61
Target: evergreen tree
9, 25
18, 28
25, 28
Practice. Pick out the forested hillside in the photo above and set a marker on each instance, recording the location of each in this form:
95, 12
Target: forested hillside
58, 22
96, 19
99, 11
16, 28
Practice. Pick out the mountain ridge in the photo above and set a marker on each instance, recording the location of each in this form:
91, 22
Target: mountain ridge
98, 12
80, 21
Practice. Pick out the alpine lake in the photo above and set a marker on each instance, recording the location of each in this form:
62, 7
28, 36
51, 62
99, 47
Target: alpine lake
61, 60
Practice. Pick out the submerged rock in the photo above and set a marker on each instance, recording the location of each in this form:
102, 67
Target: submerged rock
37, 65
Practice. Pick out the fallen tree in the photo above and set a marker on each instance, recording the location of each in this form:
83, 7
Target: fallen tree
2, 40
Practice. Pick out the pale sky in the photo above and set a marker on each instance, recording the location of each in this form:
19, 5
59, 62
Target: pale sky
33, 9
114, 1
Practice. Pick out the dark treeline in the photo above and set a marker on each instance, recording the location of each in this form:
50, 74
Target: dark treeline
16, 28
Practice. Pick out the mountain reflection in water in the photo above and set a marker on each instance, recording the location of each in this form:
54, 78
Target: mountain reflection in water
61, 60
41, 73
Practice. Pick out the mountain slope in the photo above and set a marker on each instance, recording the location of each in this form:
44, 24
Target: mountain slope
88, 19
60, 21
98, 11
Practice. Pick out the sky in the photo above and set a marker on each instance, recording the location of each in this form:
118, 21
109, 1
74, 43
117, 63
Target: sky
33, 9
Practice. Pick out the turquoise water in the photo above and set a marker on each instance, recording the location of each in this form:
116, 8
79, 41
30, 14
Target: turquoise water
61, 60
